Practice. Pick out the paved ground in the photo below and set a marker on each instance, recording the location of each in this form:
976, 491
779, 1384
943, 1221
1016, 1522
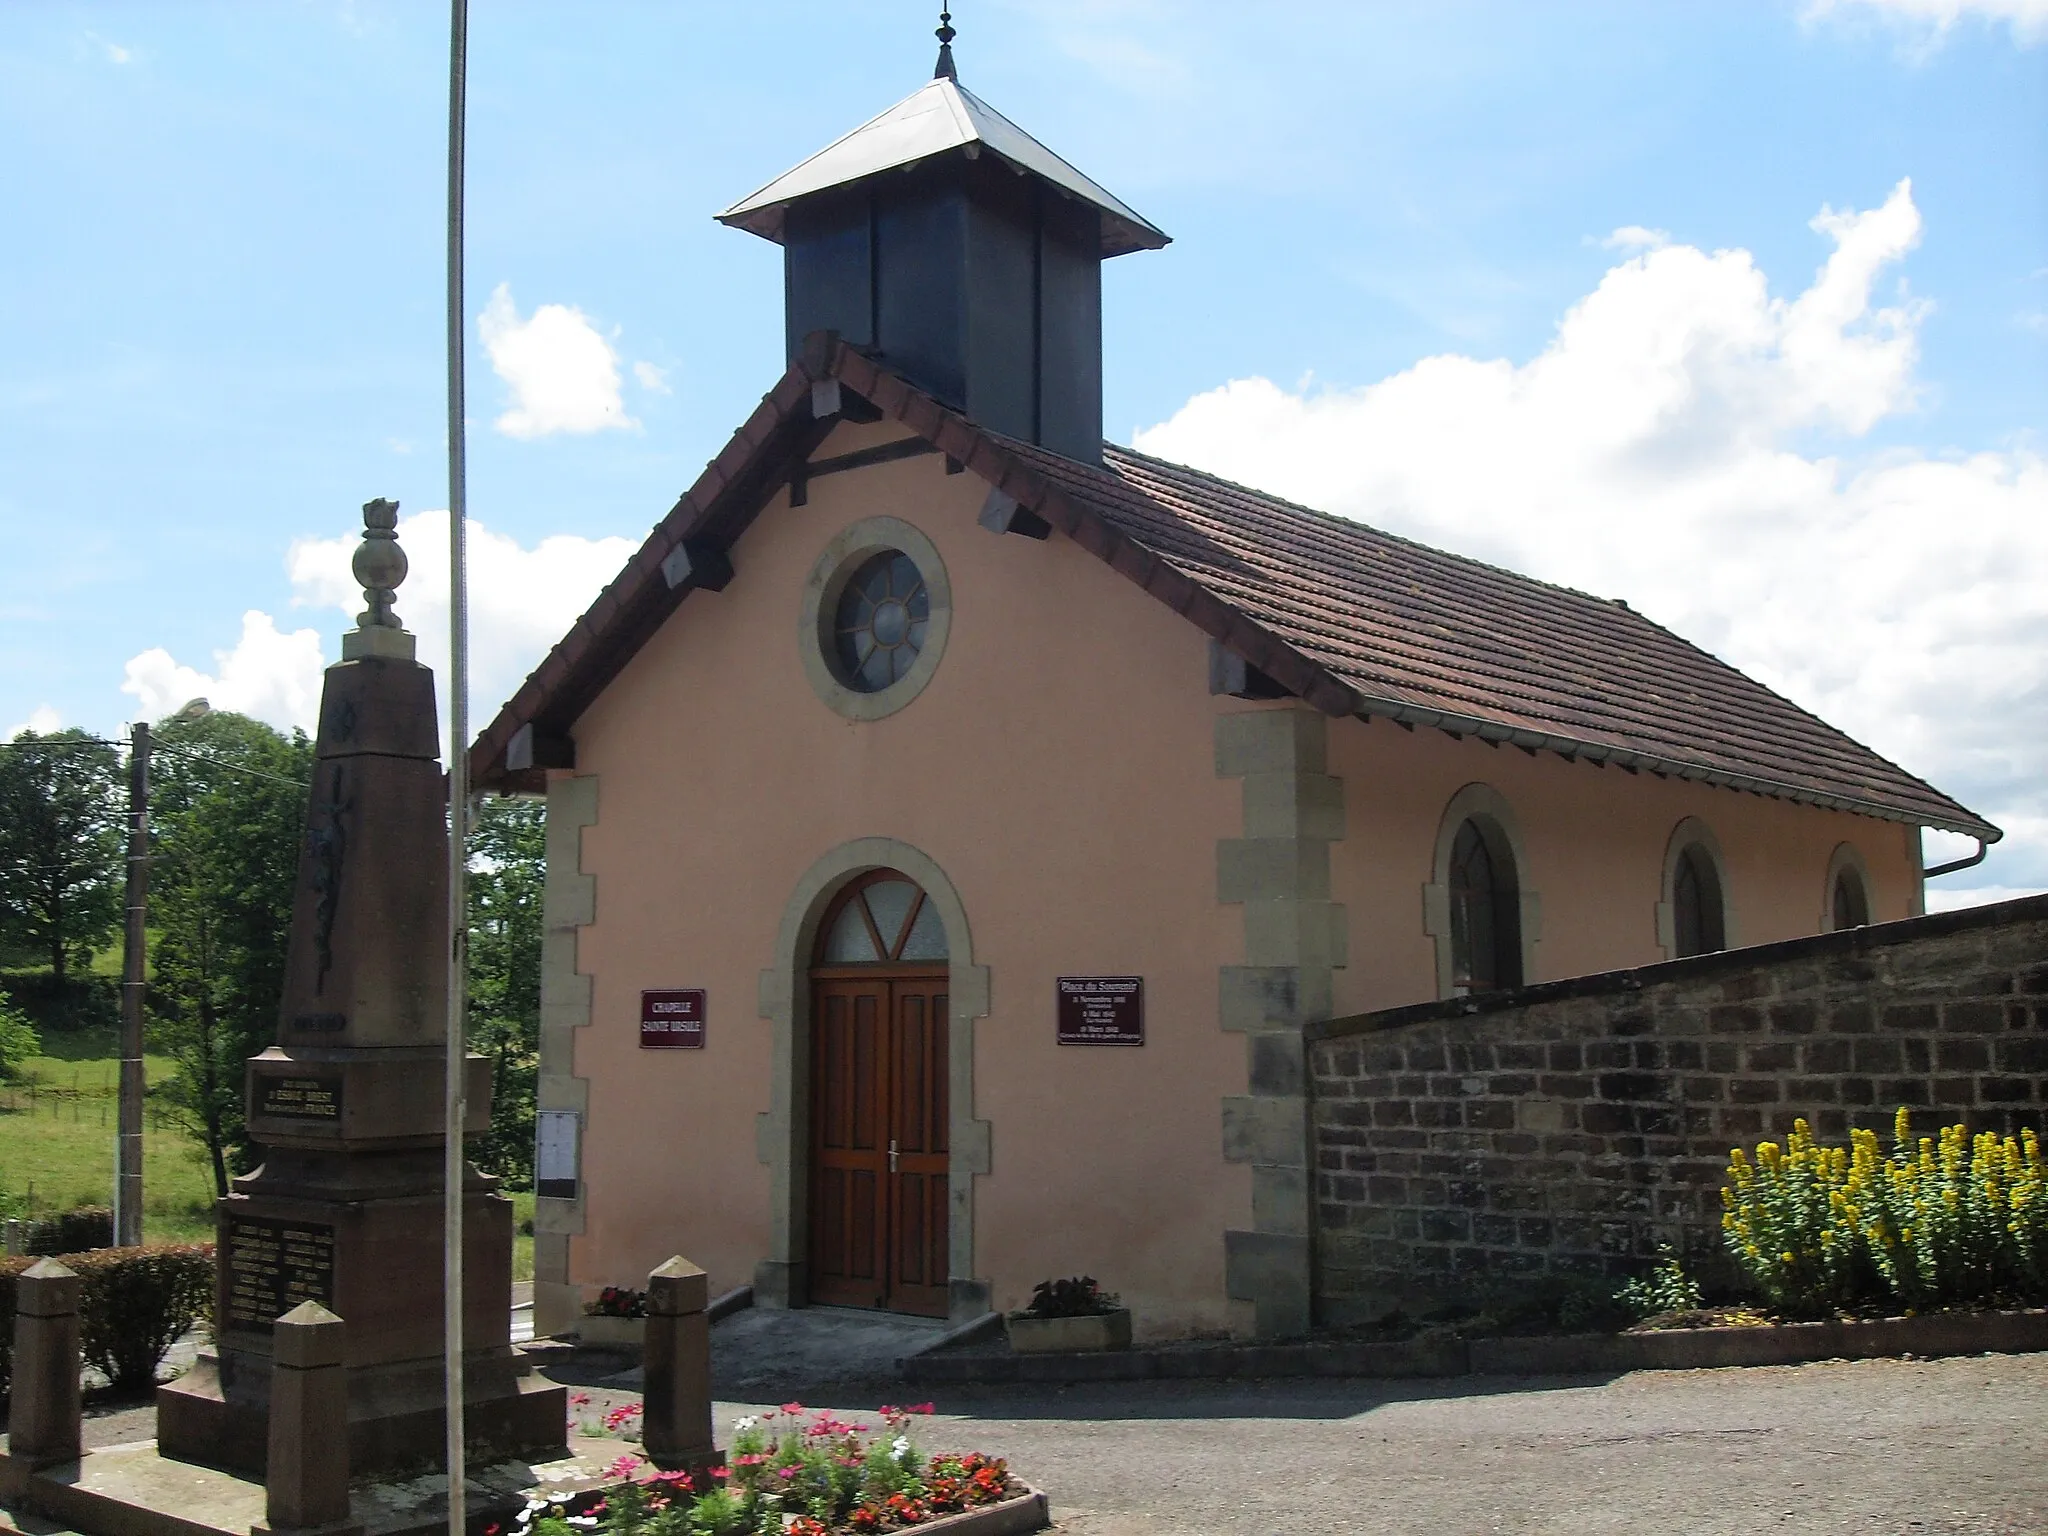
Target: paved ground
1877, 1448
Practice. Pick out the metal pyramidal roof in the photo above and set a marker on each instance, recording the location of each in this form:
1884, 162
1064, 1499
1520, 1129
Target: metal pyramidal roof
931, 120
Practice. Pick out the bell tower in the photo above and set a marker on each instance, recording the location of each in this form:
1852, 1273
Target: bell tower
962, 253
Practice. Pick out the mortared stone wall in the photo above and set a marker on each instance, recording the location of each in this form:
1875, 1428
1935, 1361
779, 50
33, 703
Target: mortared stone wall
1569, 1127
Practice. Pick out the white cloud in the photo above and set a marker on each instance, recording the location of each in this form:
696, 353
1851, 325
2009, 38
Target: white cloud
268, 674
1663, 448
1633, 237
113, 52
651, 377
521, 601
42, 720
563, 374
1933, 19
1940, 899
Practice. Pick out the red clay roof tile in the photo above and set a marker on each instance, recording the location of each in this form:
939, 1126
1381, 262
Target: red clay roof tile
1350, 618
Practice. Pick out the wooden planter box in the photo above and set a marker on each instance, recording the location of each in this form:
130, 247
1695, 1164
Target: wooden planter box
612, 1332
1069, 1335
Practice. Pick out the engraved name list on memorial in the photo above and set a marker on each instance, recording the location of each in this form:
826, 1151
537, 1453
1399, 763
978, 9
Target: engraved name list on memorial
272, 1266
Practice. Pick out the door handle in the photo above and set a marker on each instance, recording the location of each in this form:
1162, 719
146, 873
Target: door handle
892, 1154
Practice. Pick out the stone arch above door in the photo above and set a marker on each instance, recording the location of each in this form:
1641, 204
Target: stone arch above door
781, 1131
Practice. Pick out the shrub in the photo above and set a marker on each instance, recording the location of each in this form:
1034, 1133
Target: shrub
18, 1040
1078, 1297
1667, 1288
77, 1002
134, 1303
11, 1267
72, 1231
1945, 1221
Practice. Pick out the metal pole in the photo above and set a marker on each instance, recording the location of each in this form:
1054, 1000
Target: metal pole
458, 784
134, 946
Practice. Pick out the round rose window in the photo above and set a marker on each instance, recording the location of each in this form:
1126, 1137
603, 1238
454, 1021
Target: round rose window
880, 626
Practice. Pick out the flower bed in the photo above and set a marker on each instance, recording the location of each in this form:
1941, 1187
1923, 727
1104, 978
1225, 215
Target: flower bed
792, 1472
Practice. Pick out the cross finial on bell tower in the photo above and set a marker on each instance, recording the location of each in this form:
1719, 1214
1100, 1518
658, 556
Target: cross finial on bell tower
945, 35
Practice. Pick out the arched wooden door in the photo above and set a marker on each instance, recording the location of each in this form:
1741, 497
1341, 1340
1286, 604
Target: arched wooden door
878, 1101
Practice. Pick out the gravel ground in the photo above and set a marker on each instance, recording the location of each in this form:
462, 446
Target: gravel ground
1885, 1447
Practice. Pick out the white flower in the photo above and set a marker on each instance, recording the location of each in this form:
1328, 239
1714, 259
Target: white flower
900, 1448
744, 1424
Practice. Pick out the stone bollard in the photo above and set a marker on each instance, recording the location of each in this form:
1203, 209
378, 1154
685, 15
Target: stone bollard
306, 1485
676, 1369
42, 1425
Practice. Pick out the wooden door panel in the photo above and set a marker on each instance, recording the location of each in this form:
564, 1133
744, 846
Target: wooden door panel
879, 1160
849, 1157
917, 1104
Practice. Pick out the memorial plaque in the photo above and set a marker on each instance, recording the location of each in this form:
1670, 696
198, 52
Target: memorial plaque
272, 1266
672, 1019
1101, 1010
320, 1023
302, 1096
554, 1154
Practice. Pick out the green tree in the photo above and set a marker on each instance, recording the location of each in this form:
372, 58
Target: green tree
60, 845
228, 811
18, 1040
507, 868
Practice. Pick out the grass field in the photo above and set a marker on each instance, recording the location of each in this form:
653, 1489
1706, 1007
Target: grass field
57, 1146
57, 1140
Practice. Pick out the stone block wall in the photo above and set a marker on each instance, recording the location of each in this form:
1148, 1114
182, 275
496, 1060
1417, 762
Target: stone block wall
1569, 1127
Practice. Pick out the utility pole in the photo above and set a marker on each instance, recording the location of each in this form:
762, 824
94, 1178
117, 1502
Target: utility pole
134, 949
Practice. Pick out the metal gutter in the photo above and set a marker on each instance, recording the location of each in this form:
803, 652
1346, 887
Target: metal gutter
1628, 757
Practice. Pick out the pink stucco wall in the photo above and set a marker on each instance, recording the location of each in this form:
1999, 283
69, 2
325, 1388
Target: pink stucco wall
1060, 769
1595, 841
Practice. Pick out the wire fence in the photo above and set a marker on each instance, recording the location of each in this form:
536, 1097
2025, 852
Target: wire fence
78, 1103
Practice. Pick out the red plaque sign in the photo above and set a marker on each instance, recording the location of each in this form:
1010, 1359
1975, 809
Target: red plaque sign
672, 1019
1102, 1010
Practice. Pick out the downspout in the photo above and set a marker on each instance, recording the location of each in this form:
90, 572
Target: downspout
1983, 847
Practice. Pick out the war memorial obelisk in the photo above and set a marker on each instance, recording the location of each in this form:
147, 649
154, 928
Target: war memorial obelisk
346, 1209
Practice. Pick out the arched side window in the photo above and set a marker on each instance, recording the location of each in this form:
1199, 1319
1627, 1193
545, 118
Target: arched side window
1478, 907
1694, 916
1847, 900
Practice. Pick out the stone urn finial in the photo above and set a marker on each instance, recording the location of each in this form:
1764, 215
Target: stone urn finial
380, 565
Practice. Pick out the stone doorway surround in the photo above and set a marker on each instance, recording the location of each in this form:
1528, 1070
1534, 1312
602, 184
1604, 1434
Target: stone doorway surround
782, 1131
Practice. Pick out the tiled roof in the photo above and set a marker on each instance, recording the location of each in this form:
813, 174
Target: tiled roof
1433, 638
1350, 619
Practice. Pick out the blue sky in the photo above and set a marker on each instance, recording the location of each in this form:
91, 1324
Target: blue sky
220, 321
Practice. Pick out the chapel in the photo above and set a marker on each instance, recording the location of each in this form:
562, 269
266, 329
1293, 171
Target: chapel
954, 820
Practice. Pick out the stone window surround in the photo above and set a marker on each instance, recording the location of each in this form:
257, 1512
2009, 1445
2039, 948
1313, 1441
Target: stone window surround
1692, 832
845, 553
1484, 803
782, 1131
1847, 856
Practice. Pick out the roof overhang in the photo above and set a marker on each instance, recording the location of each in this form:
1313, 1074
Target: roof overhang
689, 549
938, 118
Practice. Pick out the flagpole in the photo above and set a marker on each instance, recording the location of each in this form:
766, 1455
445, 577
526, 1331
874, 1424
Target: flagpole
456, 1104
